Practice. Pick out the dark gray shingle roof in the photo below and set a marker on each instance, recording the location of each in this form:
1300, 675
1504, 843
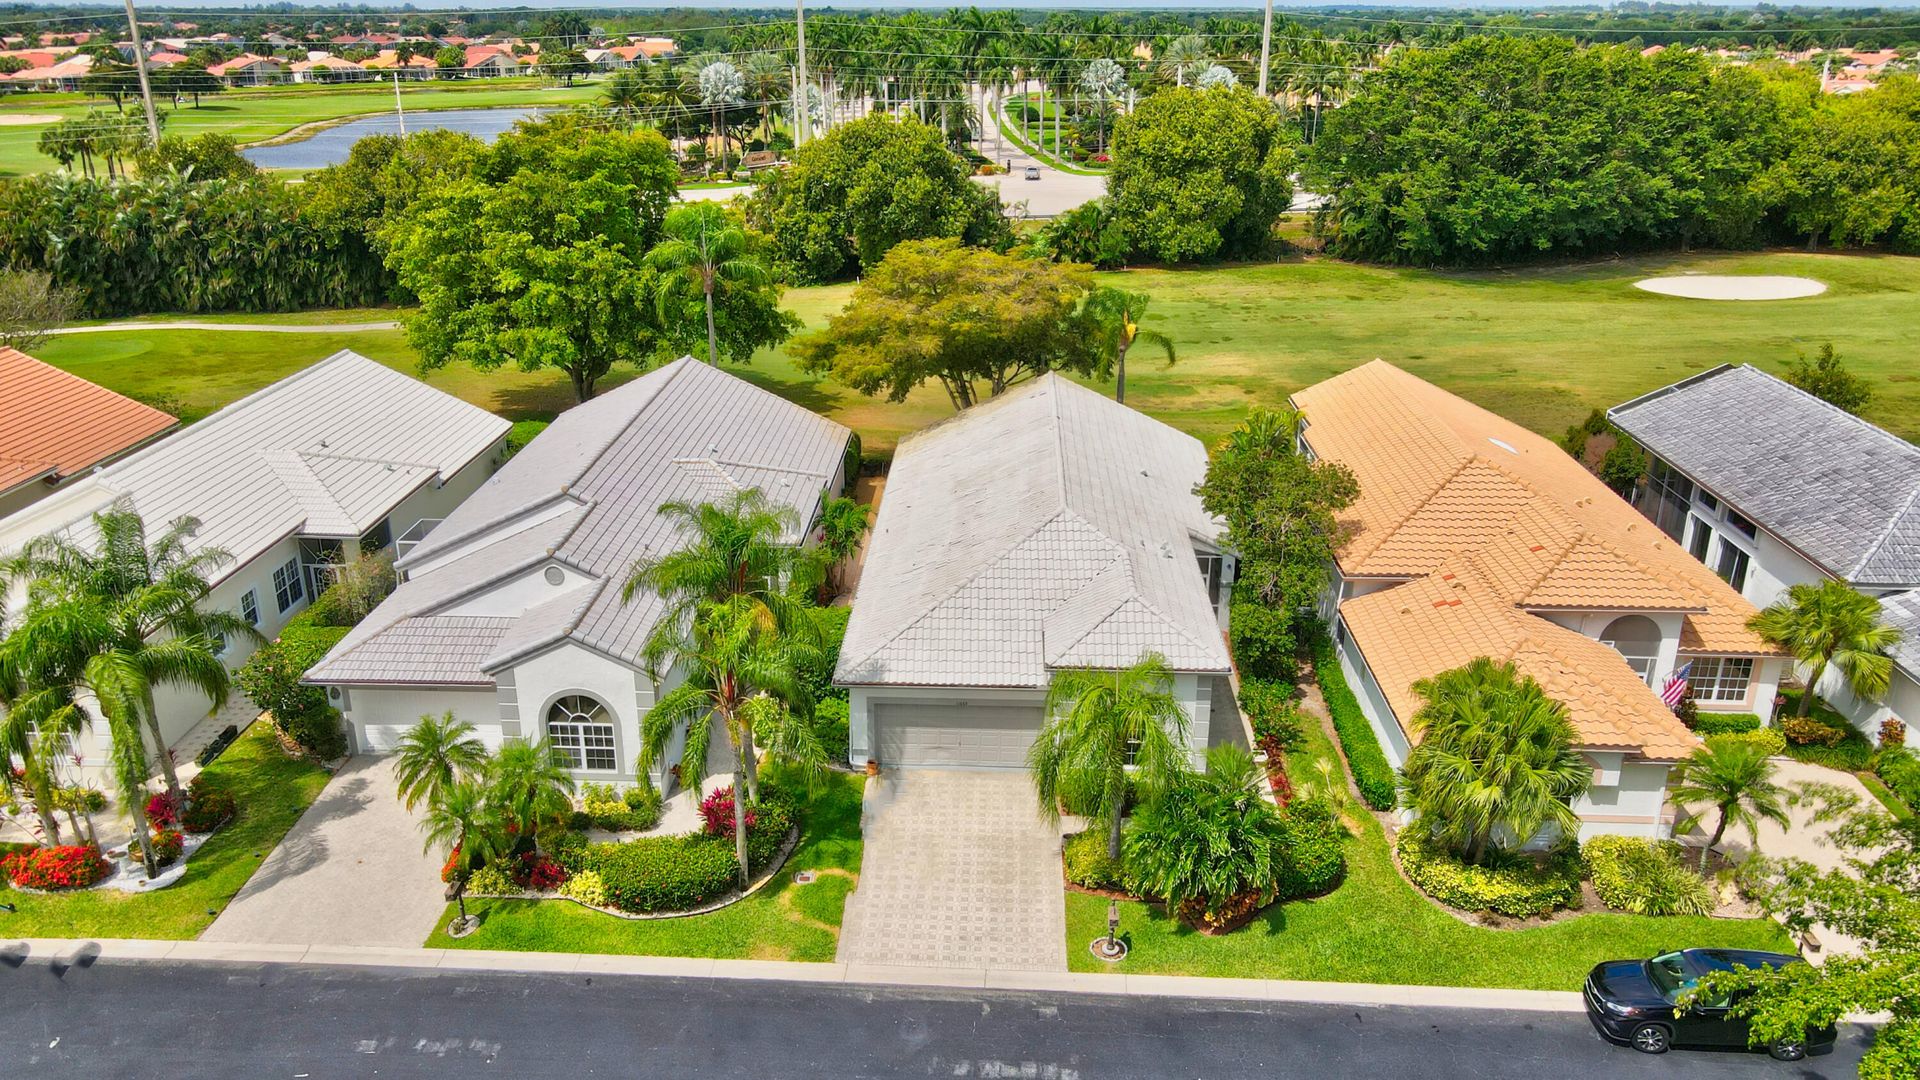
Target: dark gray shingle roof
1840, 490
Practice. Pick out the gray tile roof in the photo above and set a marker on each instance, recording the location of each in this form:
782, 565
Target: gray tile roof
1048, 528
325, 452
585, 494
1902, 610
1841, 491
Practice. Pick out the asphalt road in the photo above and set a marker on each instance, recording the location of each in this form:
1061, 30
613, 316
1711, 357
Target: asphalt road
145, 1020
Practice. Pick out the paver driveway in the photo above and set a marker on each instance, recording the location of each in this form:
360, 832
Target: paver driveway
959, 870
351, 871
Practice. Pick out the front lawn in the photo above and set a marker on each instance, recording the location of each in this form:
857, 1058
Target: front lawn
1376, 928
783, 921
273, 791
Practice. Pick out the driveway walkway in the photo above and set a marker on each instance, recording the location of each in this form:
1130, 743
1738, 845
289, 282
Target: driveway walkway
351, 871
959, 871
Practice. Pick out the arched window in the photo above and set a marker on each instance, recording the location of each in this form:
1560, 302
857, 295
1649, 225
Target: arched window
1637, 638
581, 730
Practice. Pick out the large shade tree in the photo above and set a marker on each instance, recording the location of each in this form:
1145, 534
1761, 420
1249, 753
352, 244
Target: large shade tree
1201, 174
1495, 763
1830, 626
1104, 728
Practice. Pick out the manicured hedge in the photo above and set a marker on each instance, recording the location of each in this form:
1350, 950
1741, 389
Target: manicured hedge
675, 873
1371, 773
1311, 859
1518, 889
1644, 877
1269, 706
1769, 740
1725, 723
1088, 866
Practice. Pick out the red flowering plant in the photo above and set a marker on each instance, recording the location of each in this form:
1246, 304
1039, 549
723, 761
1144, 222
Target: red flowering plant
74, 867
716, 811
163, 812
452, 864
533, 870
167, 845
209, 806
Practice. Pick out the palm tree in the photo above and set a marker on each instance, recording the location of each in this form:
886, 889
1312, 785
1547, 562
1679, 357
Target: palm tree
462, 820
1831, 625
39, 716
433, 755
721, 86
704, 247
768, 81
1495, 762
1185, 55
154, 588
1210, 840
528, 783
740, 671
1104, 80
624, 95
1737, 778
1098, 724
1114, 316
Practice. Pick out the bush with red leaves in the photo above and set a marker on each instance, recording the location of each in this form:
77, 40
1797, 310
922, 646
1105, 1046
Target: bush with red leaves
533, 870
716, 811
163, 812
167, 845
73, 867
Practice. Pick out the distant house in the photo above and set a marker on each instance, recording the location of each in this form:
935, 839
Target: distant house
1812, 493
327, 69
63, 75
414, 67
249, 70
1472, 537
511, 614
165, 58
486, 61
56, 427
348, 452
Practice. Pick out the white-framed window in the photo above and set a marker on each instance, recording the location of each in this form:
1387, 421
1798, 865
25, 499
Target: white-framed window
1733, 565
1666, 497
1721, 678
287, 590
250, 607
581, 730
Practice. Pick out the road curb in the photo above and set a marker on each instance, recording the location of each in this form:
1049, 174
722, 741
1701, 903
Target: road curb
479, 960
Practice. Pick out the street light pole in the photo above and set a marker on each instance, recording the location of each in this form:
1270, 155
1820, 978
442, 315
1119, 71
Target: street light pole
399, 109
140, 65
801, 97
1266, 46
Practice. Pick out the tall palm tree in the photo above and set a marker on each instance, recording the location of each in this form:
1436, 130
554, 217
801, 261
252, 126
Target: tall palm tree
1184, 57
528, 783
1104, 80
624, 95
155, 588
1831, 625
1737, 778
740, 672
39, 716
462, 820
706, 248
721, 87
1495, 762
1098, 724
768, 81
1114, 317
433, 755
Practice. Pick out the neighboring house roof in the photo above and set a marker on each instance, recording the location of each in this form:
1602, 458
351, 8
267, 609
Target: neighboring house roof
585, 495
390, 58
480, 54
54, 425
325, 63
242, 62
72, 68
1841, 491
163, 58
1495, 528
1902, 611
327, 452
1048, 528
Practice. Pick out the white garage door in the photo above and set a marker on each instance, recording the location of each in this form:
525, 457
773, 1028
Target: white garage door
977, 736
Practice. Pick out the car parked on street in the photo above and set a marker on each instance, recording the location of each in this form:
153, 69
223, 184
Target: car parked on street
1033, 172
1635, 1003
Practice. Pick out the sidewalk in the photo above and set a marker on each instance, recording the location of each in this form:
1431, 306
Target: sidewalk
70, 952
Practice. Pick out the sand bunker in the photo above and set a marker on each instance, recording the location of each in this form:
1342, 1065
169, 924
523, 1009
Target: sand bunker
23, 119
1725, 287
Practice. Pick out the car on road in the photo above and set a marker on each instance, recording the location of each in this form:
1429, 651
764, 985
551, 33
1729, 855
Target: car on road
1033, 172
1635, 1003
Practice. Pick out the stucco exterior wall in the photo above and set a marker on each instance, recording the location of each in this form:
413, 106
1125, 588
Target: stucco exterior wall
377, 716
1626, 799
1373, 703
1902, 700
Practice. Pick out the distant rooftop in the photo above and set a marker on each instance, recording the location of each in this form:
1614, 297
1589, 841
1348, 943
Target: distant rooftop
1841, 491
54, 425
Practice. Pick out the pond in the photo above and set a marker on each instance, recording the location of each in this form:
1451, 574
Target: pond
331, 145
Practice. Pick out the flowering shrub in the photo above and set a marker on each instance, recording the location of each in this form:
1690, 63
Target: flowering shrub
56, 867
1893, 732
452, 863
209, 806
716, 810
532, 870
163, 811
167, 845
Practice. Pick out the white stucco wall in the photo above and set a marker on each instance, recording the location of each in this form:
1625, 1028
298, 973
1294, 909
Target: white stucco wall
569, 668
377, 716
1373, 703
1902, 700
1626, 799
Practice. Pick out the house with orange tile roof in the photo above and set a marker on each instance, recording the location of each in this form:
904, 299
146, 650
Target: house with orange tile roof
249, 70
1473, 536
55, 427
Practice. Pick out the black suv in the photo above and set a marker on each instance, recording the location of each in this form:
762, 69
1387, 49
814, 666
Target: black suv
1631, 1002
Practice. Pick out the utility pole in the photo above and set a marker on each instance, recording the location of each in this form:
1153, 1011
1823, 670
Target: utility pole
140, 65
1266, 46
399, 109
801, 97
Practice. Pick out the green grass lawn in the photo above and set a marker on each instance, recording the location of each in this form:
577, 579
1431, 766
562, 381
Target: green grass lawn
256, 114
783, 921
1542, 346
273, 790
1376, 928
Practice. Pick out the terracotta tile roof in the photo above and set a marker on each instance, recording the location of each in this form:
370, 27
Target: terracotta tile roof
1448, 488
56, 424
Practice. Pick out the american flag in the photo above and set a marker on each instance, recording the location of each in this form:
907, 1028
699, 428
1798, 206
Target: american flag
1676, 689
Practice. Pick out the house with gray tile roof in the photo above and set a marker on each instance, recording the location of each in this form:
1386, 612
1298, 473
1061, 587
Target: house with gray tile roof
1771, 487
510, 614
346, 452
1049, 528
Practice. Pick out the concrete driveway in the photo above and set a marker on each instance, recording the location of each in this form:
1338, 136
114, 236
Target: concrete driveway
959, 871
351, 871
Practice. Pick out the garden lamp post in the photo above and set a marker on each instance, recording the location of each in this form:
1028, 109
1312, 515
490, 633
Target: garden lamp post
1111, 948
